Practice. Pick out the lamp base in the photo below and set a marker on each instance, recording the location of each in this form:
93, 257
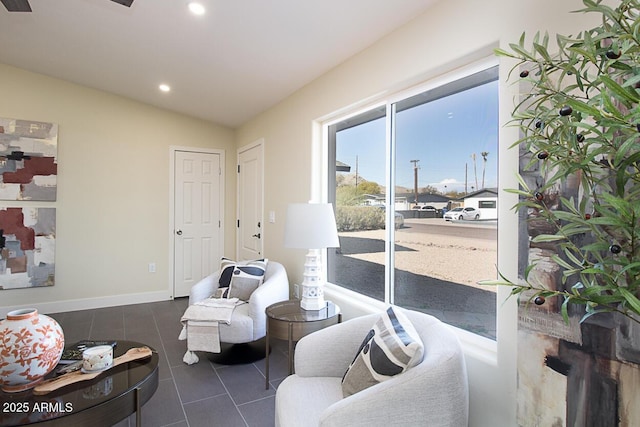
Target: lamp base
312, 292
311, 304
312, 296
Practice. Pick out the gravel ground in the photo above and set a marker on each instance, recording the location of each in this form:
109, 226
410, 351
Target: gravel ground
435, 273
461, 260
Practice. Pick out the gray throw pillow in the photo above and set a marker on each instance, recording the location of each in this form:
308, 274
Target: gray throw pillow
247, 276
221, 293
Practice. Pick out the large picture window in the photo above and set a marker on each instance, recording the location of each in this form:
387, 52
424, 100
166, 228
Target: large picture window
414, 184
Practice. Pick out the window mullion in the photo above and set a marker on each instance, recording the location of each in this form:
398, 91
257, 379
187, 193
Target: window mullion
390, 202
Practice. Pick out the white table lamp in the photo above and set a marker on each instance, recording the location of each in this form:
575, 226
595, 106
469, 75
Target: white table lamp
311, 226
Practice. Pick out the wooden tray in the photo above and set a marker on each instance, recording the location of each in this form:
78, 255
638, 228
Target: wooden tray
77, 376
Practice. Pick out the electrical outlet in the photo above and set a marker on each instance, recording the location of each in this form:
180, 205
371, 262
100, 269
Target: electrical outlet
152, 267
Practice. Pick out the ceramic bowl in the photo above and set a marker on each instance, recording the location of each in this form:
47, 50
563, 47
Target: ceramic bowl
97, 358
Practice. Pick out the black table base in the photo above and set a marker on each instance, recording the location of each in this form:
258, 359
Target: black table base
239, 354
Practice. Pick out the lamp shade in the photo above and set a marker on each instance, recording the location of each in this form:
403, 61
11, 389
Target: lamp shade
310, 226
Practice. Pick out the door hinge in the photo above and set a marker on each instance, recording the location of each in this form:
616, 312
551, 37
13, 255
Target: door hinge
238, 168
219, 224
238, 223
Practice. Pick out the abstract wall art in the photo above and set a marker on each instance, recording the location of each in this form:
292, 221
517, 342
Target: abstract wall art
27, 247
569, 374
28, 160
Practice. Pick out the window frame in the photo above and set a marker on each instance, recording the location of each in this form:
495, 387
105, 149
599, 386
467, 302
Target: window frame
487, 204
486, 348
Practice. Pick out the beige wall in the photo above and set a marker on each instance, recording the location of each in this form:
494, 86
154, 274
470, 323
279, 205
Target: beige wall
113, 190
453, 33
111, 225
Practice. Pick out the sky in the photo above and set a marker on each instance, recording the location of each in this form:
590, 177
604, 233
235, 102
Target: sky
443, 135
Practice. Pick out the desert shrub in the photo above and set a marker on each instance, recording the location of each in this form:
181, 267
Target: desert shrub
356, 218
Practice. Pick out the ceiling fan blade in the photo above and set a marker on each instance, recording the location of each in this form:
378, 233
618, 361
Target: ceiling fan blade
23, 5
122, 2
17, 5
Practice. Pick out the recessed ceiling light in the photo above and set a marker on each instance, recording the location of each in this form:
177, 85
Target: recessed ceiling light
164, 88
196, 8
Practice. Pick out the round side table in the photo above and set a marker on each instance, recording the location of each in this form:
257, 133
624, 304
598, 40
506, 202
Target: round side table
103, 401
286, 320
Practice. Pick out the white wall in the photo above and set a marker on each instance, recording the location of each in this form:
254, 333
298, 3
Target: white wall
113, 190
453, 33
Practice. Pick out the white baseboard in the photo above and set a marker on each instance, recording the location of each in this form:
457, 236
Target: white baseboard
90, 303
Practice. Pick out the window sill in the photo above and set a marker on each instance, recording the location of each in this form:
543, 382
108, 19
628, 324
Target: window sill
353, 304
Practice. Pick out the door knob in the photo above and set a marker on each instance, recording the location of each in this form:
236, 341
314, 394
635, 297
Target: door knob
256, 235
179, 232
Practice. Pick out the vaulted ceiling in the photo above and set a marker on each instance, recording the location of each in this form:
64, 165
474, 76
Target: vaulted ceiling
226, 66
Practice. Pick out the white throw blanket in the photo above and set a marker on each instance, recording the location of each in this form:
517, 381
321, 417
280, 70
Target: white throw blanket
200, 325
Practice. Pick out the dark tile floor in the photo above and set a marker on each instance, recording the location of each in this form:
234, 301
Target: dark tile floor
203, 394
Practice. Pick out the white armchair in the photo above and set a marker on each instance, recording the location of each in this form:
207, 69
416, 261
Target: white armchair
433, 393
249, 321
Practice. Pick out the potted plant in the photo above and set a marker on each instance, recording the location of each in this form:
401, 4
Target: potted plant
579, 117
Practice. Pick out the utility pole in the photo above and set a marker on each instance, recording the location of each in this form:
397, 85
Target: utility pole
356, 172
415, 179
475, 171
465, 177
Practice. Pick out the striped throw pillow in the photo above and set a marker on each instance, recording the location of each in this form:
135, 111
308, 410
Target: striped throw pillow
390, 348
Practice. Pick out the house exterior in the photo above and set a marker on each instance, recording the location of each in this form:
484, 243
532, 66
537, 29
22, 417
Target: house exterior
485, 200
438, 201
405, 201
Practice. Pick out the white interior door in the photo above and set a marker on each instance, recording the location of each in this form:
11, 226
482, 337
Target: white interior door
197, 218
250, 201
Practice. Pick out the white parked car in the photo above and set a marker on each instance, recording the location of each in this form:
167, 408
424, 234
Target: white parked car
462, 213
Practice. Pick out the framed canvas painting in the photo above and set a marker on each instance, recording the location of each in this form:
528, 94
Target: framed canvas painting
28, 160
27, 247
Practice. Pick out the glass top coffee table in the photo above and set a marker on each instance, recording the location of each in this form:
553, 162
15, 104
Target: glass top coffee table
102, 401
286, 320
